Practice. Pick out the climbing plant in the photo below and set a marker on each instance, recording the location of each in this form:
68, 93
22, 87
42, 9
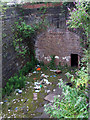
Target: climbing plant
24, 34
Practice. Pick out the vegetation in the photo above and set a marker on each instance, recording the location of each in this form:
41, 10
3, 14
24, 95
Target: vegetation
24, 34
79, 18
22, 38
52, 62
72, 105
18, 80
24, 46
75, 100
13, 83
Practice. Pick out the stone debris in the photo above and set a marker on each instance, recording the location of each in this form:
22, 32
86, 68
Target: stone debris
16, 93
53, 89
34, 96
21, 99
18, 90
50, 97
37, 83
58, 72
34, 72
53, 70
57, 57
43, 82
37, 90
29, 74
47, 91
43, 75
38, 66
44, 86
8, 110
13, 100
47, 82
28, 82
58, 84
37, 87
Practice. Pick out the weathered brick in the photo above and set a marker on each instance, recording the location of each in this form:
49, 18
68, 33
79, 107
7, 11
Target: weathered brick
61, 44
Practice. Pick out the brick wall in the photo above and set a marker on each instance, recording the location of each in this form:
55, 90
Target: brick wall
10, 63
58, 42
53, 41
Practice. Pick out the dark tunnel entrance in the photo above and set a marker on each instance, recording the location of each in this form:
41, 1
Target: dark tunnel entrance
74, 60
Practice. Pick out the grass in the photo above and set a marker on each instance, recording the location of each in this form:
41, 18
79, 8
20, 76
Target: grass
32, 105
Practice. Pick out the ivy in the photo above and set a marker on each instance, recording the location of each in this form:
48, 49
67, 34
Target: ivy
23, 35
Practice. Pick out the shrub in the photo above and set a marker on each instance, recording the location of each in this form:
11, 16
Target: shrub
13, 83
18, 81
73, 104
52, 62
29, 66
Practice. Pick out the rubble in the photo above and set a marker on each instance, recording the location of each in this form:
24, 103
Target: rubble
34, 96
29, 74
18, 90
53, 70
58, 72
47, 91
1, 103
50, 97
53, 89
34, 72
37, 90
43, 75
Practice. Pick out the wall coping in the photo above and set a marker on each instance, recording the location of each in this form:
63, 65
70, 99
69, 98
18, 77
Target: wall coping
29, 6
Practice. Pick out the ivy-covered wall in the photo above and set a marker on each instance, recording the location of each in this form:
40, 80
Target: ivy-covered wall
10, 62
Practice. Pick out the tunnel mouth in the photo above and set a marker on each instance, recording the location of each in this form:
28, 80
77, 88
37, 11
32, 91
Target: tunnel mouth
74, 60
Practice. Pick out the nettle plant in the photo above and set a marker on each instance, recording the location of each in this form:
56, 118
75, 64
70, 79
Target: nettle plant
79, 17
82, 78
75, 101
71, 104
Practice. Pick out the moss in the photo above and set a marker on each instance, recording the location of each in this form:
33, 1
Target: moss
33, 105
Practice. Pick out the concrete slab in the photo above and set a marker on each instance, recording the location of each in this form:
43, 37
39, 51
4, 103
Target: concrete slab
58, 91
50, 97
40, 109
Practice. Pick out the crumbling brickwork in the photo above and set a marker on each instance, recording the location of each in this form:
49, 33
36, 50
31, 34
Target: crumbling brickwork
58, 42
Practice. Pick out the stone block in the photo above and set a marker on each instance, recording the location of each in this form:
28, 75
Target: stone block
50, 97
